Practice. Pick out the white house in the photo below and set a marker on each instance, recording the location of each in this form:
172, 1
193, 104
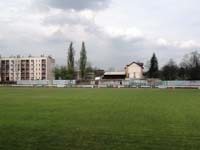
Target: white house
131, 71
134, 70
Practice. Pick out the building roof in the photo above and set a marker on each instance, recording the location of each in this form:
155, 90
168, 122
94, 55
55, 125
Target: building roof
137, 63
114, 76
25, 57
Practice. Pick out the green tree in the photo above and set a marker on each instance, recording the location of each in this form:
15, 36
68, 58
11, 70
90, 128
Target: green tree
61, 73
170, 71
57, 73
83, 61
70, 62
153, 70
182, 73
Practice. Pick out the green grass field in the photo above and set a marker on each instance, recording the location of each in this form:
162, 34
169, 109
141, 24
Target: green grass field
99, 119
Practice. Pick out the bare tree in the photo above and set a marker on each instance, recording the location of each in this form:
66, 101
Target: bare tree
191, 66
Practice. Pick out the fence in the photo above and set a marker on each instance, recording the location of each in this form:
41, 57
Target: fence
149, 84
33, 82
111, 84
57, 83
130, 83
181, 84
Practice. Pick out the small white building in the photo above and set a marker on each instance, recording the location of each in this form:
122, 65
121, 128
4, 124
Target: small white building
134, 70
131, 71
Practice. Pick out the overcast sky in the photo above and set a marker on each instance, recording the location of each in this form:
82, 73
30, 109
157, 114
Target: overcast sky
116, 32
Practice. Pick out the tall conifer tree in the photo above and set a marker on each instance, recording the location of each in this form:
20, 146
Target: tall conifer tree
83, 61
70, 61
153, 70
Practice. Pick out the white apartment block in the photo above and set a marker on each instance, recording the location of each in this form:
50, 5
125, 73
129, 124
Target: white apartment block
26, 68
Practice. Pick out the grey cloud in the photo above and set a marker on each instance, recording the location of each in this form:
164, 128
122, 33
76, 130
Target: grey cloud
29, 36
66, 17
75, 4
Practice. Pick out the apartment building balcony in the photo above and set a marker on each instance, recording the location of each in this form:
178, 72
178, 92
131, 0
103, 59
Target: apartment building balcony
3, 72
3, 68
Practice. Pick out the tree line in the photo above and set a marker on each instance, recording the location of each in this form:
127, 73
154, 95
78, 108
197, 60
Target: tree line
188, 69
69, 72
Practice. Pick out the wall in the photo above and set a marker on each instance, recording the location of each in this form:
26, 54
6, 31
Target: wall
134, 71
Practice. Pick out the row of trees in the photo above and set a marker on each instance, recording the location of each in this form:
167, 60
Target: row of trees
188, 69
70, 71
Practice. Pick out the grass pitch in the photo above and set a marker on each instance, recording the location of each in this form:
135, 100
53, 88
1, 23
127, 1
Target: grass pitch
99, 119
